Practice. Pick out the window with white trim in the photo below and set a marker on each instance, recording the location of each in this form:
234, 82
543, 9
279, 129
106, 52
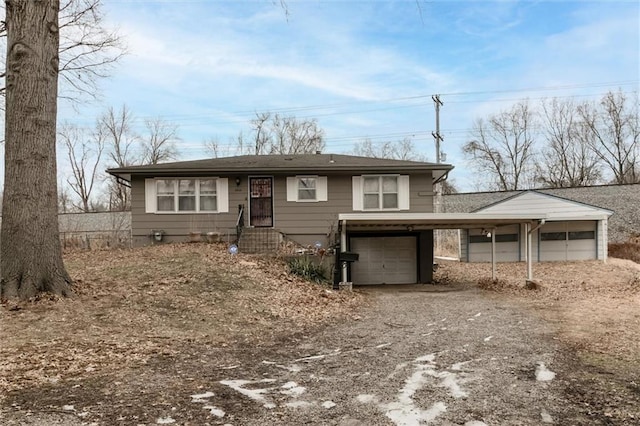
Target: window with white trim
307, 189
381, 192
186, 195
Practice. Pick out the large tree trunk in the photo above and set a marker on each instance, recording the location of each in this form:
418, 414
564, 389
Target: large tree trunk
31, 255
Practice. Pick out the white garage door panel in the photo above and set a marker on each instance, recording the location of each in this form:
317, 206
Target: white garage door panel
505, 251
384, 260
559, 250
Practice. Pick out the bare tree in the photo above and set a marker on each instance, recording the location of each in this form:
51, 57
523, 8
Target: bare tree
158, 144
212, 146
503, 147
114, 127
87, 49
567, 159
30, 252
84, 153
275, 134
403, 149
614, 125
65, 205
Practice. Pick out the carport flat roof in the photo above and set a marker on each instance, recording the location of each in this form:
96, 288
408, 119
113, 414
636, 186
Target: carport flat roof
438, 220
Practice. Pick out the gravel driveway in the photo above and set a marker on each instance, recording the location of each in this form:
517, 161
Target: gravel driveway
441, 355
421, 355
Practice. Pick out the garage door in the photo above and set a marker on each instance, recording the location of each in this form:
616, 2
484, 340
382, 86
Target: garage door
384, 260
568, 241
507, 245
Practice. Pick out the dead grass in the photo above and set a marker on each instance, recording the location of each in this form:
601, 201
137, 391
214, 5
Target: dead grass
595, 306
628, 250
131, 305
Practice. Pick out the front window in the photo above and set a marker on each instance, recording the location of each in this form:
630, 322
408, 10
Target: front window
208, 195
380, 192
307, 188
186, 195
165, 190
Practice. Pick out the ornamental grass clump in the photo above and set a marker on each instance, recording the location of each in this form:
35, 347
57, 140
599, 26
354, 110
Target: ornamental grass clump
306, 268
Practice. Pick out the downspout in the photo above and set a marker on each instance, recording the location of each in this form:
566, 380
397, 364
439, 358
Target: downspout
529, 248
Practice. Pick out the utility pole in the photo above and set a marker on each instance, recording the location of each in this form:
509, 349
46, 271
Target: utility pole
436, 135
438, 186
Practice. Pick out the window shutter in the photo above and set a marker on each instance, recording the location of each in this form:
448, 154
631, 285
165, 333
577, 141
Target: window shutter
150, 200
292, 188
356, 185
322, 193
404, 192
222, 193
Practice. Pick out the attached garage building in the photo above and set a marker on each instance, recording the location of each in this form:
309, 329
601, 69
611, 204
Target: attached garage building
571, 231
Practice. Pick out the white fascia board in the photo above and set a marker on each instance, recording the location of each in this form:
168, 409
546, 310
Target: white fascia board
437, 217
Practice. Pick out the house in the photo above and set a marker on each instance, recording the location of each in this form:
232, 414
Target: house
570, 231
298, 198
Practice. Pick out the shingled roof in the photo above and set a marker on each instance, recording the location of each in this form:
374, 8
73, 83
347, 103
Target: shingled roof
280, 164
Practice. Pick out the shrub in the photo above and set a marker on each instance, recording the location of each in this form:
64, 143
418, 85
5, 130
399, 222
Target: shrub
306, 268
630, 251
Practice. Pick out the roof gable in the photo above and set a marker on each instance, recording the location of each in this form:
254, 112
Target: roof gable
556, 208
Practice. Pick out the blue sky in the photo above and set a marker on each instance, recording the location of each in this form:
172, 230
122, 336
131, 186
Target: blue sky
363, 69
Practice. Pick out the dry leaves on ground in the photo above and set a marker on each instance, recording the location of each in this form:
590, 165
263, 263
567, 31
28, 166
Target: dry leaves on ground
131, 305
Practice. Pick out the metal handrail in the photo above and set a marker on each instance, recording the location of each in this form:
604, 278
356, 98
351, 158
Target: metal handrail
239, 222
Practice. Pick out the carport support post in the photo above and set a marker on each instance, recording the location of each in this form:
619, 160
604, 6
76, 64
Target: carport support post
493, 254
343, 248
529, 249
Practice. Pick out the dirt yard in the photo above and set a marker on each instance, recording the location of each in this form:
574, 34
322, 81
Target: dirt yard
189, 334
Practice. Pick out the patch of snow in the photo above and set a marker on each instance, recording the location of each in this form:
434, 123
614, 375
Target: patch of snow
383, 345
268, 362
431, 324
328, 404
425, 358
68, 408
231, 367
543, 374
255, 394
486, 339
470, 319
298, 404
546, 417
475, 423
215, 411
366, 398
478, 314
405, 416
293, 368
458, 365
292, 389
443, 319
309, 358
443, 328
450, 382
398, 368
165, 421
200, 397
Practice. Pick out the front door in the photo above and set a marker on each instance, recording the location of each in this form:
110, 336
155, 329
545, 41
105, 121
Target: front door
261, 202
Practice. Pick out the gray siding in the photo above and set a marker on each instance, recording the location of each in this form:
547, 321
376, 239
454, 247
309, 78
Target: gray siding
301, 222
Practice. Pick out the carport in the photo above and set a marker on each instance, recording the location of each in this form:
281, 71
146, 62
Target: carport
372, 228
